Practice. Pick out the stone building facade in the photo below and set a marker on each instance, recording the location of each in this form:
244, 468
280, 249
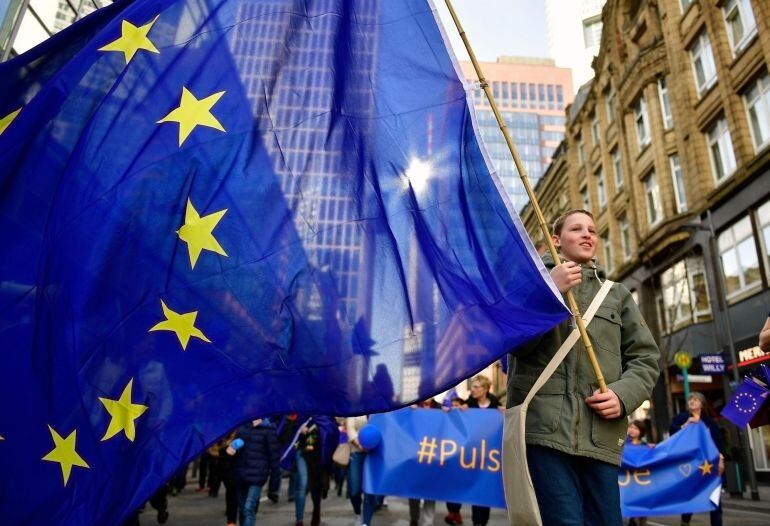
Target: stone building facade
669, 147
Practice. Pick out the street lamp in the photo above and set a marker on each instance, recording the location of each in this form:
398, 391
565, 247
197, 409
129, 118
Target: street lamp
724, 314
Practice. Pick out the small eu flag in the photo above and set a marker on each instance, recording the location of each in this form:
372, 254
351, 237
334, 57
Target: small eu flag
212, 210
746, 401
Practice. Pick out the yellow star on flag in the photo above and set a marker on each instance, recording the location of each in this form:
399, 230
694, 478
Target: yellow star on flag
183, 325
197, 232
132, 39
705, 468
7, 120
193, 112
122, 413
64, 453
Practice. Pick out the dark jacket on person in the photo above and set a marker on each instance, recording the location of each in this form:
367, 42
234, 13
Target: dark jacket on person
494, 402
258, 456
558, 416
716, 435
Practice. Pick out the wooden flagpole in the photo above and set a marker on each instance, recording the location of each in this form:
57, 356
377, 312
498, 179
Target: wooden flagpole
532, 198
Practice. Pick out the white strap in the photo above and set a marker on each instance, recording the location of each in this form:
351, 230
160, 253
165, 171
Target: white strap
568, 344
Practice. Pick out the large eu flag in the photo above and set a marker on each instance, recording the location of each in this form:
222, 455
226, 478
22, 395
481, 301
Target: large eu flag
217, 209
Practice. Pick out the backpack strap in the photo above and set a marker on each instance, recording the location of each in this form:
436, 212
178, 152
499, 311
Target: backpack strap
568, 343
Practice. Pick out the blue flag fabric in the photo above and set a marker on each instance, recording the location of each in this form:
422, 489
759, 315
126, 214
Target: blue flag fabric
422, 446
746, 401
679, 475
212, 210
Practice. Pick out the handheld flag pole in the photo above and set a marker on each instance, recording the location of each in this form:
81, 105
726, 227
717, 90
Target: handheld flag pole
532, 198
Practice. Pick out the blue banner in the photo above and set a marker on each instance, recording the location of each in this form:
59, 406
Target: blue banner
450, 456
679, 475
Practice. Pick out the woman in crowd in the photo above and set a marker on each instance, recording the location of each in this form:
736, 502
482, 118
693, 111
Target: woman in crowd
363, 503
696, 412
226, 466
453, 516
636, 432
315, 445
481, 398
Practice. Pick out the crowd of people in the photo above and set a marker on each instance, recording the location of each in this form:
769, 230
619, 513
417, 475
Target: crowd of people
303, 450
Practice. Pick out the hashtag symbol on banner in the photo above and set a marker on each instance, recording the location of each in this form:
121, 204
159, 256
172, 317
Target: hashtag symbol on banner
427, 450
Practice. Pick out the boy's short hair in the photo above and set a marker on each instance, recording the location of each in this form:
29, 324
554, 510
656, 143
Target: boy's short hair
559, 223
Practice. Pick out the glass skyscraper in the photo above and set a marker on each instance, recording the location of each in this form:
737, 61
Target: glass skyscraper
531, 95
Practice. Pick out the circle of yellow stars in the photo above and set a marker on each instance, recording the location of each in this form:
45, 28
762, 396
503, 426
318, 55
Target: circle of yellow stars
196, 232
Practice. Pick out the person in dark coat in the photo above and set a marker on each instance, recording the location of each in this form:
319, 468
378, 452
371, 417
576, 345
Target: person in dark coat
696, 412
481, 398
254, 461
227, 476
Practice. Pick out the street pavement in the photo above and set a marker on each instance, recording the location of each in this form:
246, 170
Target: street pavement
198, 509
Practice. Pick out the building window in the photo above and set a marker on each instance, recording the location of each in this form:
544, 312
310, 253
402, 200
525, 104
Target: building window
757, 99
551, 97
665, 105
741, 26
541, 96
721, 151
506, 97
609, 104
685, 293
625, 237
592, 31
642, 123
595, 131
584, 199
606, 251
652, 193
703, 66
559, 97
532, 96
677, 178
515, 94
617, 169
601, 189
684, 4
763, 220
740, 264
580, 151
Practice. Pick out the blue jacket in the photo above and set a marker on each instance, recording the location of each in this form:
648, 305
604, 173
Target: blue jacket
259, 455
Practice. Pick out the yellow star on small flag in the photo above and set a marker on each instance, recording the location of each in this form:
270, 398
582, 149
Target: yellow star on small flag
193, 112
122, 414
197, 232
64, 453
705, 468
132, 39
183, 325
7, 120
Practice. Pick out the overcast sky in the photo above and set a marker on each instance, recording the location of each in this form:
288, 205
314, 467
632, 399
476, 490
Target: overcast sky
498, 27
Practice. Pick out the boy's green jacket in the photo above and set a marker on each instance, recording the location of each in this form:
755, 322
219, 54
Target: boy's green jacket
558, 416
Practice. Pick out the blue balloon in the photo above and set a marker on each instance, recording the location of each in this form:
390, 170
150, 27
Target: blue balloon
369, 437
237, 444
